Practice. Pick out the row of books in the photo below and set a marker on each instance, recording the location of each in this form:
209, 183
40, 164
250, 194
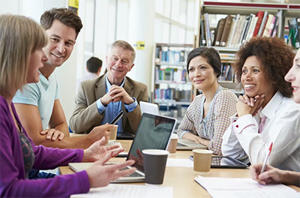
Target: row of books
172, 94
294, 32
171, 55
233, 30
171, 74
227, 73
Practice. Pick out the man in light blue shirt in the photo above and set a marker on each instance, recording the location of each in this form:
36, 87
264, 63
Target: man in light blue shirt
38, 104
99, 101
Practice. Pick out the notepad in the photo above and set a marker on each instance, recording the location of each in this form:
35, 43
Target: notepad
219, 187
128, 191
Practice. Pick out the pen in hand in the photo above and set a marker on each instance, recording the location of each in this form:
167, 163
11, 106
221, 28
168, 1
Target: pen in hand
266, 159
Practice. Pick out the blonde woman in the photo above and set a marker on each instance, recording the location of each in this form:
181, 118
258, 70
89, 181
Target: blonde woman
21, 56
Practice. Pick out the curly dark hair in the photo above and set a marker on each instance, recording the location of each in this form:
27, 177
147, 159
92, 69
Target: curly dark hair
64, 15
276, 58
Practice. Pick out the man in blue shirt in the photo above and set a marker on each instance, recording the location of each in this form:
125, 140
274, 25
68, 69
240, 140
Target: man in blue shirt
100, 100
38, 104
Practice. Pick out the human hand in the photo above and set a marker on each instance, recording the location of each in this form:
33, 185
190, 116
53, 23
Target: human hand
100, 131
249, 105
119, 94
52, 134
139, 159
271, 175
101, 175
106, 99
98, 151
194, 138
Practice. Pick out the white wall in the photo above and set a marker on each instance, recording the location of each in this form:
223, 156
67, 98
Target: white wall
10, 7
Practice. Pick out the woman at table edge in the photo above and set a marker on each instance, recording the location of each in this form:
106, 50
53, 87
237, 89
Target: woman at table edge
21, 55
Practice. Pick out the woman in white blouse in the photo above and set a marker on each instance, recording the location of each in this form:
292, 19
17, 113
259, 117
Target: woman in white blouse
207, 117
265, 114
274, 175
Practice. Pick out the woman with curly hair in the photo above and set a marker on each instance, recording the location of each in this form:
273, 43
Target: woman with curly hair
273, 175
266, 115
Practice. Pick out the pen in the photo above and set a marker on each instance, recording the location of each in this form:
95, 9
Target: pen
266, 159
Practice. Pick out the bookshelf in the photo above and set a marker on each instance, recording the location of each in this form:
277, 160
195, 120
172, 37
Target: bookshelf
171, 89
227, 25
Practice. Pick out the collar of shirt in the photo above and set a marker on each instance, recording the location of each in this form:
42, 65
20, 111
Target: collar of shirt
270, 109
45, 82
108, 84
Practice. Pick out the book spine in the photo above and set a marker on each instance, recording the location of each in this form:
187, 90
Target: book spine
227, 27
260, 16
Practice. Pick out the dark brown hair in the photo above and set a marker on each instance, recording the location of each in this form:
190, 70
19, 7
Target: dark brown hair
210, 54
93, 64
65, 16
276, 58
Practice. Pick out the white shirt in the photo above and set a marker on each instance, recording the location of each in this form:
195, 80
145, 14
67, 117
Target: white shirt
282, 127
89, 76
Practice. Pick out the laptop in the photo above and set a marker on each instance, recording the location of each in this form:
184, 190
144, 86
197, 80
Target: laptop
150, 108
185, 144
154, 132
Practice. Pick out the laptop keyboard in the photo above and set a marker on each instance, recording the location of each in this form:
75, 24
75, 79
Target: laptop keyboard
135, 174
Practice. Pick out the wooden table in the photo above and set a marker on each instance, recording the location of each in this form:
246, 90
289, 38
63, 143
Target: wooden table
182, 178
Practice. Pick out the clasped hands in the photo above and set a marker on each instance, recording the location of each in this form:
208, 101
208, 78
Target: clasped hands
249, 105
115, 94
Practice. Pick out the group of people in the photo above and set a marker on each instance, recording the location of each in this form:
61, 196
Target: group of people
32, 117
33, 120
264, 117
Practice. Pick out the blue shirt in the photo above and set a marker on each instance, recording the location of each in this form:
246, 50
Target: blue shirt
41, 94
113, 108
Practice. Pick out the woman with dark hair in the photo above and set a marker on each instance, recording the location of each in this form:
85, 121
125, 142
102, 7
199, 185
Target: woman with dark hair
266, 115
207, 117
273, 175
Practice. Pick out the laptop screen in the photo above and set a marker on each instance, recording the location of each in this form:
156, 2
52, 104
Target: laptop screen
154, 132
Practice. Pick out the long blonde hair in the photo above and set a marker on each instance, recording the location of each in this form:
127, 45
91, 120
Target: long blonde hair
19, 37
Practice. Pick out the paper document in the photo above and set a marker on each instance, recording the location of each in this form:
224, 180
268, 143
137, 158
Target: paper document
128, 191
179, 163
243, 187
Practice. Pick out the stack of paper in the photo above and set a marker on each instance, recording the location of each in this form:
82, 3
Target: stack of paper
243, 187
128, 191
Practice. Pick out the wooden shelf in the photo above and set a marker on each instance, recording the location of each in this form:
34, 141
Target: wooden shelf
214, 7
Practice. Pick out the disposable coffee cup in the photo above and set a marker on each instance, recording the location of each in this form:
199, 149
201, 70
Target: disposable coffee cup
113, 132
202, 160
173, 143
154, 165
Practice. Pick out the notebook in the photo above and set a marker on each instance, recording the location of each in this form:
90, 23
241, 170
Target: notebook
150, 108
184, 144
154, 132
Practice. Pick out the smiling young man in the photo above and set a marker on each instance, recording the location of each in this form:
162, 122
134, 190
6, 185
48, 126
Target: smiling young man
38, 104
100, 100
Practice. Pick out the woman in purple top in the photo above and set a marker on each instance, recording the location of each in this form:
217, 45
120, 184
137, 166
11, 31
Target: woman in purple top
21, 56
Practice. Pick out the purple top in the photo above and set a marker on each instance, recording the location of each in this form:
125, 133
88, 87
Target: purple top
13, 182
